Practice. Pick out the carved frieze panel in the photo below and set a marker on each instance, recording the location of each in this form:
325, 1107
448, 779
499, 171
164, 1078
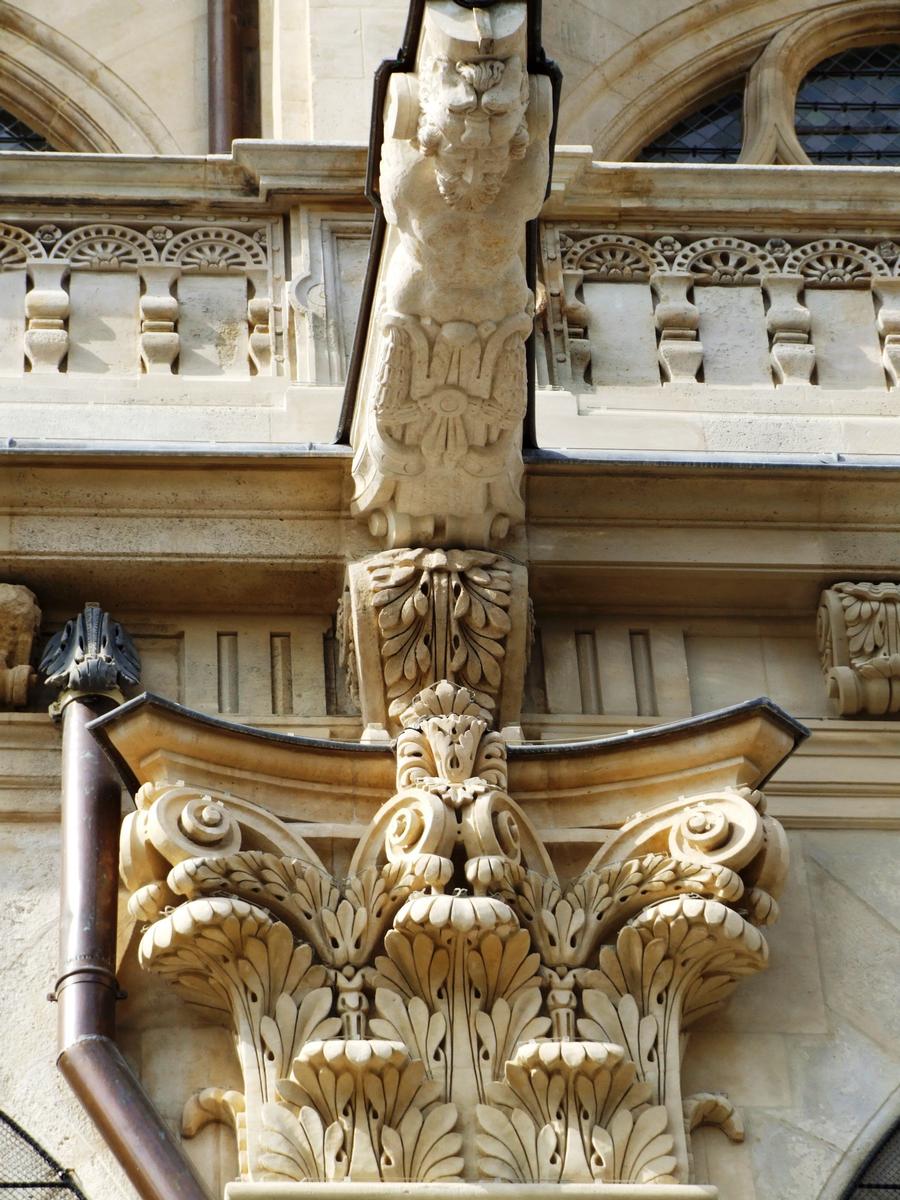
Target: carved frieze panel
20, 620
411, 617
453, 1010
859, 645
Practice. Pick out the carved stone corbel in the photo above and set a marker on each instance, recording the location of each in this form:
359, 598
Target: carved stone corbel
411, 617
859, 645
442, 391
20, 619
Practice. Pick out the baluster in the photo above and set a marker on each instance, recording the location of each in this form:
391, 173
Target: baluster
159, 315
788, 323
888, 293
678, 322
47, 307
576, 316
259, 315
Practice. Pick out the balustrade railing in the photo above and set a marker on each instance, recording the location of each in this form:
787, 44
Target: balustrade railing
626, 311
127, 297
765, 290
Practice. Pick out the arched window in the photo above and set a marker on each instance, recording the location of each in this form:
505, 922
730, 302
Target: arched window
15, 134
848, 107
880, 1177
711, 134
27, 1171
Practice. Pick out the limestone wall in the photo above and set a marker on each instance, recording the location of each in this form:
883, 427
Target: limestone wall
132, 72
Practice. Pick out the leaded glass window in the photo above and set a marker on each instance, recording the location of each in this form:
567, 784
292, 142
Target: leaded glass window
29, 1173
712, 134
15, 134
848, 107
880, 1177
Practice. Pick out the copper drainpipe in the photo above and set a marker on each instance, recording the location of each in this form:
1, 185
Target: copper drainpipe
89, 658
226, 83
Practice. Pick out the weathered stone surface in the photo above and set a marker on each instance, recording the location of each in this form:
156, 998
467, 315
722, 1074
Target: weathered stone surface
20, 620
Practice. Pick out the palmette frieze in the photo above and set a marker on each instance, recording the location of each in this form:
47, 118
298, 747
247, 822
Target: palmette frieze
111, 245
452, 1010
723, 259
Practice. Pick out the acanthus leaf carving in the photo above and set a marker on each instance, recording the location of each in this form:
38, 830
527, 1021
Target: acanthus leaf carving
677, 961
859, 645
410, 618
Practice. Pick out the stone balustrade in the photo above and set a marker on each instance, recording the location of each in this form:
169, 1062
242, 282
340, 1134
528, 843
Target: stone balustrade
725, 311
729, 310
124, 297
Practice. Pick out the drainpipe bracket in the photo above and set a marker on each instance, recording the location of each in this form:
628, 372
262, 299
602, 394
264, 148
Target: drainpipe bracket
65, 698
87, 974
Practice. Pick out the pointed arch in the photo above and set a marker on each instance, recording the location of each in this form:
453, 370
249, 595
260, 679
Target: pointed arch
68, 96
878, 1132
668, 71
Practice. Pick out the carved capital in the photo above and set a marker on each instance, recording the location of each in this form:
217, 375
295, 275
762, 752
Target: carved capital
859, 645
20, 619
412, 617
452, 1011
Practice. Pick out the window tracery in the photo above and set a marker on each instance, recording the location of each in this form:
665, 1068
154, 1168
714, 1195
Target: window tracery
825, 90
879, 1178
16, 135
848, 107
710, 134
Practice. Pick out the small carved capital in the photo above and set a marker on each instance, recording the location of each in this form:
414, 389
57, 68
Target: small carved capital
412, 617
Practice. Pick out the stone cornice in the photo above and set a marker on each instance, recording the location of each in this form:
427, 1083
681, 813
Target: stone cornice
821, 787
259, 174
270, 176
741, 198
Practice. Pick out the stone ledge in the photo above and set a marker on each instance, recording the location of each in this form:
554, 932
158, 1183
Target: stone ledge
460, 1191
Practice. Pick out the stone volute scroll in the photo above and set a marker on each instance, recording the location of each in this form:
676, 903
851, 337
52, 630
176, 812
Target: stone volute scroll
442, 389
859, 645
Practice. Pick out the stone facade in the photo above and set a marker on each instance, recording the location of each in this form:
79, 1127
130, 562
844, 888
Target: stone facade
716, 407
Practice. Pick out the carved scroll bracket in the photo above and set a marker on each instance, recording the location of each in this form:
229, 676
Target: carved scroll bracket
859, 645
